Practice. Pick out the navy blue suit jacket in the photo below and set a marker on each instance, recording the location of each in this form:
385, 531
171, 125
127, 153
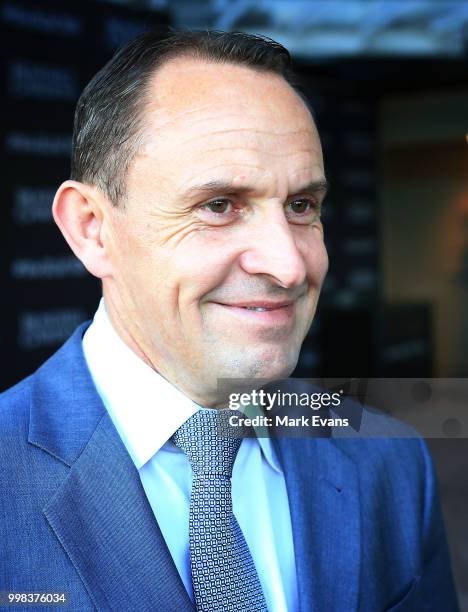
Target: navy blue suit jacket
367, 526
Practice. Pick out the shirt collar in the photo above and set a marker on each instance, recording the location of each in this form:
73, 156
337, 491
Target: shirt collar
145, 408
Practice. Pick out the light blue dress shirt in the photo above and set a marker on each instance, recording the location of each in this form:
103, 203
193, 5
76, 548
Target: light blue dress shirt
146, 410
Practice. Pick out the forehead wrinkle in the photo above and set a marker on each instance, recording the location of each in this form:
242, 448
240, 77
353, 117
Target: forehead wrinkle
278, 189
257, 150
153, 143
184, 183
262, 160
295, 183
210, 101
248, 130
164, 119
306, 169
257, 173
160, 118
160, 124
252, 130
175, 149
257, 181
166, 96
259, 142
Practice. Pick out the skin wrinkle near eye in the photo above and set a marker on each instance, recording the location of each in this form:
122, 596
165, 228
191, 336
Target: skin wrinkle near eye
246, 209
237, 210
223, 219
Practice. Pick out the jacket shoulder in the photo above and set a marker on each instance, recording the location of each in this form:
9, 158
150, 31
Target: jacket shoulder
15, 402
380, 441
14, 407
404, 459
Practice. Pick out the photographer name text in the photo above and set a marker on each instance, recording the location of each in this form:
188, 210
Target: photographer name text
286, 421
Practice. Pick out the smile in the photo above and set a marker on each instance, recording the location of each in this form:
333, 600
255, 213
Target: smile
278, 314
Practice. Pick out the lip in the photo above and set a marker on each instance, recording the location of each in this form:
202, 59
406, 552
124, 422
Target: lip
269, 304
281, 313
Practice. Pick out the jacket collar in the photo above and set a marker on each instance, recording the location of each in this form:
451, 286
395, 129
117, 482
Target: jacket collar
65, 408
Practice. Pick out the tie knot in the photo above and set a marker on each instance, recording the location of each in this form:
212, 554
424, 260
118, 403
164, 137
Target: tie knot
208, 440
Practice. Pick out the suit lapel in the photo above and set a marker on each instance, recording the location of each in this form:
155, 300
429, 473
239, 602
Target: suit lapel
104, 522
100, 513
323, 496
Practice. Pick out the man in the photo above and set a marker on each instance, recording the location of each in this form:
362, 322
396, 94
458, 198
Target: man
197, 182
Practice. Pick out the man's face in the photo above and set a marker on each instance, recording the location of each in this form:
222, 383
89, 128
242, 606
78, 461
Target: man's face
219, 219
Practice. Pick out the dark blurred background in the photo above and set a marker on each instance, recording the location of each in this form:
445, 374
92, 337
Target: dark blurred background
388, 83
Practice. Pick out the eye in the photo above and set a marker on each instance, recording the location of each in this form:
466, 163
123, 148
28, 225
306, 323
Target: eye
300, 206
304, 208
218, 206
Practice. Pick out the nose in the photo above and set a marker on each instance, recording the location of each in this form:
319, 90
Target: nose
273, 251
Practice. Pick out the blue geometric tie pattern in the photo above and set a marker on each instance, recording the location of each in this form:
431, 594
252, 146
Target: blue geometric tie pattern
223, 573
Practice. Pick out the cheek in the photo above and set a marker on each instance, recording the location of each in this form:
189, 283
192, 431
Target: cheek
129, 245
203, 263
324, 262
316, 260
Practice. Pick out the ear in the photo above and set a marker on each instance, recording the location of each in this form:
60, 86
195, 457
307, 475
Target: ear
78, 210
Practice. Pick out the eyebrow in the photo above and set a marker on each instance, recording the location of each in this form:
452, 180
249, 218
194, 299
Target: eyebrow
217, 187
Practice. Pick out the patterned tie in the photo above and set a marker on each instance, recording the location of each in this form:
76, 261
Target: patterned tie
223, 573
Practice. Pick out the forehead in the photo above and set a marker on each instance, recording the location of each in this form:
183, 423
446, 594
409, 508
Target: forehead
207, 115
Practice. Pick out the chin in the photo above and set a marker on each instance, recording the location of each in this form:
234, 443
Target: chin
270, 367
